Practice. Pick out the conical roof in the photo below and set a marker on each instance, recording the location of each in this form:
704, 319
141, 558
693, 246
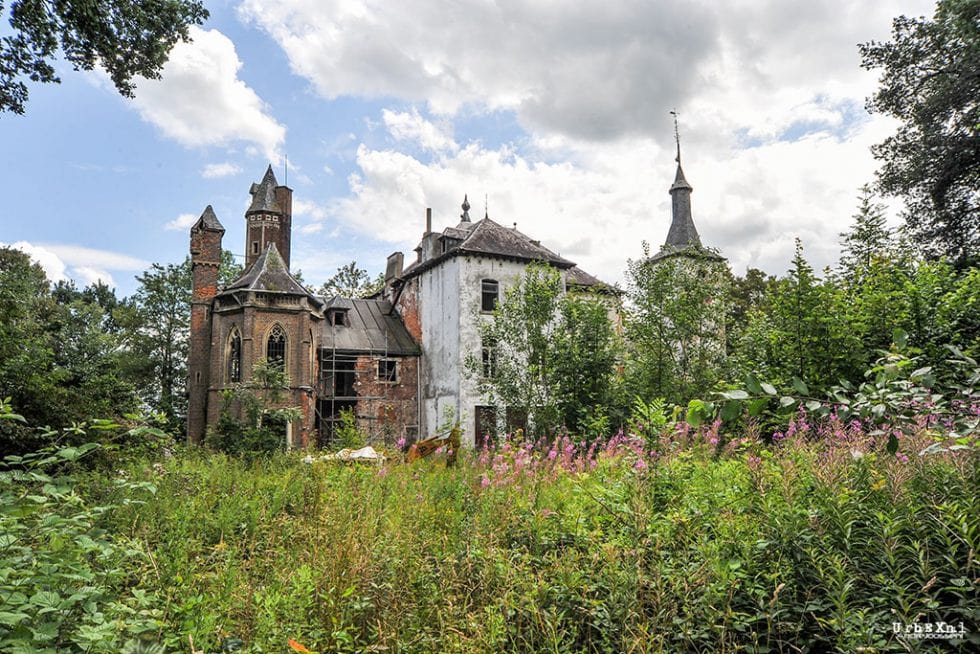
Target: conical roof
264, 195
209, 221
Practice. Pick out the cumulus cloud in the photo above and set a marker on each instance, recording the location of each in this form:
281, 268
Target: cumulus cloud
72, 262
770, 96
201, 101
52, 264
412, 127
223, 169
181, 223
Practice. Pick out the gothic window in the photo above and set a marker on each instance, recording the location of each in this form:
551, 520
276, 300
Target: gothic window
275, 350
387, 370
490, 292
235, 357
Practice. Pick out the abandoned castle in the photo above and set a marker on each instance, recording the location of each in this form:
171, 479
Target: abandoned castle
397, 359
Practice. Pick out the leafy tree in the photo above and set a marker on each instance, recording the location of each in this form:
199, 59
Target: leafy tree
126, 38
546, 353
745, 295
931, 81
229, 270
157, 320
867, 237
675, 326
59, 359
351, 281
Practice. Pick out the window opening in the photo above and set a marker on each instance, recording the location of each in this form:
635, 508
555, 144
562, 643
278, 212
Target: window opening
490, 293
235, 358
275, 351
388, 370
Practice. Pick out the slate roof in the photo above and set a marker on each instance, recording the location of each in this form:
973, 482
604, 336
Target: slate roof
372, 328
264, 195
682, 232
488, 238
268, 274
208, 220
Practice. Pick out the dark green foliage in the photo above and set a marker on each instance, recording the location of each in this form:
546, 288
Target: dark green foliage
127, 39
675, 326
930, 81
59, 352
66, 584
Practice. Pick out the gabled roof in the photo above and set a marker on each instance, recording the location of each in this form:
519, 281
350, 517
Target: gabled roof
264, 195
490, 239
268, 274
372, 327
209, 221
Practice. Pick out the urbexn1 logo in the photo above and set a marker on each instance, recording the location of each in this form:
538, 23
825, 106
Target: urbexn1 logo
929, 630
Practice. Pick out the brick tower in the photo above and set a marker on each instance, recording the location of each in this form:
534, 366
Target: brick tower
268, 219
205, 259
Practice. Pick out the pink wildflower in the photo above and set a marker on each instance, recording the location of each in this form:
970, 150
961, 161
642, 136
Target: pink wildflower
401, 443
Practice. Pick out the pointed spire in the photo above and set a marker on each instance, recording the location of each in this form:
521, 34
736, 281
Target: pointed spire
465, 216
264, 194
682, 233
208, 221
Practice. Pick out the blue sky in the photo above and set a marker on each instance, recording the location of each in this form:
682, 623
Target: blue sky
554, 114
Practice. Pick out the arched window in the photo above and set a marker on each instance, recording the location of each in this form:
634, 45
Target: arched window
490, 292
275, 349
235, 357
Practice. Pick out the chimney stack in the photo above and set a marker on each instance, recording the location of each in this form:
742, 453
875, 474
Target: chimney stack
428, 220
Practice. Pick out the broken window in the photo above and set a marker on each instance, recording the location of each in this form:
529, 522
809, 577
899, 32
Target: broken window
275, 351
387, 370
491, 290
235, 357
343, 378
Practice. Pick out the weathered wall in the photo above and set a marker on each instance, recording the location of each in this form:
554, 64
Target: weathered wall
255, 321
387, 411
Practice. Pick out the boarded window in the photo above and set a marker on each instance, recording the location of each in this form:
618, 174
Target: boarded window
388, 370
490, 293
235, 357
275, 351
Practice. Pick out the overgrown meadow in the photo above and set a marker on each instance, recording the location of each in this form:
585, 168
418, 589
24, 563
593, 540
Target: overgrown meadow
675, 539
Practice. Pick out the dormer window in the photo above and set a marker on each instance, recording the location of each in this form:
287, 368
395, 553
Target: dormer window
490, 294
338, 318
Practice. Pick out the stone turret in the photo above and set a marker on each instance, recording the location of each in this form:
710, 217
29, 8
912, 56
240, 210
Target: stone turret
268, 219
206, 235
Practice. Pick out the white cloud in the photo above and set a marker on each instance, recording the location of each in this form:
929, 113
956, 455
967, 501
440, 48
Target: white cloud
182, 222
79, 256
413, 127
88, 276
200, 100
770, 95
223, 169
83, 265
52, 264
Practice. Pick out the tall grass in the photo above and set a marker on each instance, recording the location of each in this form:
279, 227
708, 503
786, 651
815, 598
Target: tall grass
683, 544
